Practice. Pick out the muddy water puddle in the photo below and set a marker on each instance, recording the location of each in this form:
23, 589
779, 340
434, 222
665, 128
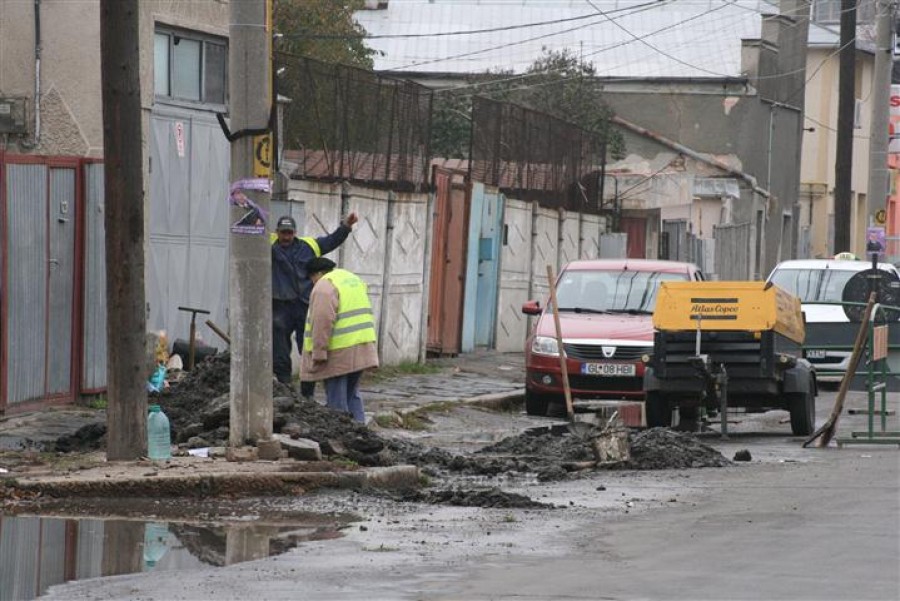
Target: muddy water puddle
39, 551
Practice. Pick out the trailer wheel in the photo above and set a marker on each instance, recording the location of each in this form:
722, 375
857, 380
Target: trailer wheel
536, 403
658, 411
802, 406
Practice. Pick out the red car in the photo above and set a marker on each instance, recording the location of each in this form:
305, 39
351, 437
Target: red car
605, 313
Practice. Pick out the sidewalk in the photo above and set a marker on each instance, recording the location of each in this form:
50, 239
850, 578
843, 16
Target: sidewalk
484, 377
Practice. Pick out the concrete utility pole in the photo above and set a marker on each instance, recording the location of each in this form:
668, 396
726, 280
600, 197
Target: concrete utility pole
879, 175
126, 339
843, 164
250, 271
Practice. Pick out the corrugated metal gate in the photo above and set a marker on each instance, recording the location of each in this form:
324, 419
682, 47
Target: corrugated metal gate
187, 264
93, 374
39, 260
674, 242
732, 251
482, 268
515, 274
448, 263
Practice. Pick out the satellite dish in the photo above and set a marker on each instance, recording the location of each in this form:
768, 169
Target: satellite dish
886, 287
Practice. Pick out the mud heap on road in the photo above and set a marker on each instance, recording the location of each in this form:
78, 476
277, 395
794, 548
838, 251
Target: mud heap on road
198, 408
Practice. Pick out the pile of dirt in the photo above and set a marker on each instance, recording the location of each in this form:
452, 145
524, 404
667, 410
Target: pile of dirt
198, 407
661, 449
488, 497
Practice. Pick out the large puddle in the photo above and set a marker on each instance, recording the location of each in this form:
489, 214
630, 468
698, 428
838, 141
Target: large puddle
37, 552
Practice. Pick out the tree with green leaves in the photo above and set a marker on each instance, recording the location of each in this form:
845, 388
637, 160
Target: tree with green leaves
322, 29
558, 83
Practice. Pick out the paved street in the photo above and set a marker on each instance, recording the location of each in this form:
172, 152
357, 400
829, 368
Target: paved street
792, 524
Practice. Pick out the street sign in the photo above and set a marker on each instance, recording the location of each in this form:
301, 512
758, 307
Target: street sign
262, 156
881, 217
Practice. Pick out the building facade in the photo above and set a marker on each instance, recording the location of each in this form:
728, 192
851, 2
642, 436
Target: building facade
52, 257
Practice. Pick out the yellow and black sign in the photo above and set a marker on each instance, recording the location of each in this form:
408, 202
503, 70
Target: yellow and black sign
262, 156
881, 217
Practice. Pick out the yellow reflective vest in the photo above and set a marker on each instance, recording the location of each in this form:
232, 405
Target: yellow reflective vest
355, 323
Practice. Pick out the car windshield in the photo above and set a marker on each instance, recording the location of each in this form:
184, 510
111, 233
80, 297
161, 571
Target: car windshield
813, 285
612, 291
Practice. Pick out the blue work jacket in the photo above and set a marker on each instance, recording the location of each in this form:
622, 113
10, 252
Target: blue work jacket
289, 278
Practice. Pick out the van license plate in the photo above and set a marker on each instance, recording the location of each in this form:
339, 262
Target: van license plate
608, 369
815, 354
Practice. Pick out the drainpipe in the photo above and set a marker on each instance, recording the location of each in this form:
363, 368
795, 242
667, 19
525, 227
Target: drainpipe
37, 72
693, 154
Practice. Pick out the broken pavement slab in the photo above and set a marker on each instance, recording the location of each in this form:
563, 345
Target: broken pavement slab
301, 449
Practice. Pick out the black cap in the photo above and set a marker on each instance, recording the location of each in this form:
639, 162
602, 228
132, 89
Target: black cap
286, 224
320, 264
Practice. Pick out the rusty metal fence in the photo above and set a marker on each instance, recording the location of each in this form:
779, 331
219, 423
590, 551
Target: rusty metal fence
344, 123
531, 155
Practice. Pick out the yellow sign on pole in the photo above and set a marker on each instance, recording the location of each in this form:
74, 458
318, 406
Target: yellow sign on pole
881, 217
262, 156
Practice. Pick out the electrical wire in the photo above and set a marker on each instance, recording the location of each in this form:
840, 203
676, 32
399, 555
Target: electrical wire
459, 32
643, 41
634, 10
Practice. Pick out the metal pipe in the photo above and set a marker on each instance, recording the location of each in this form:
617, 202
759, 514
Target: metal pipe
692, 153
37, 72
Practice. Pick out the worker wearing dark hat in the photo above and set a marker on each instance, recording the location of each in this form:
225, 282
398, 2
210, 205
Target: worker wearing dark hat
339, 341
291, 288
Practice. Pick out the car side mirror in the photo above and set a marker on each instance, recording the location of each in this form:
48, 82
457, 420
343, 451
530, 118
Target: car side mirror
532, 307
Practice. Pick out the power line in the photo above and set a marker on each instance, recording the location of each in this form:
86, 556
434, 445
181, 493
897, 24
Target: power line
389, 36
638, 8
643, 41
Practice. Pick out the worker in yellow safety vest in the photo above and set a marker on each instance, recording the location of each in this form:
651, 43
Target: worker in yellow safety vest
339, 339
291, 287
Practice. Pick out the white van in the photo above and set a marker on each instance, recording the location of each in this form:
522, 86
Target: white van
816, 281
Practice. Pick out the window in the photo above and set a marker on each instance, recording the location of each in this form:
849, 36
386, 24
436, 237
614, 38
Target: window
611, 291
813, 285
190, 67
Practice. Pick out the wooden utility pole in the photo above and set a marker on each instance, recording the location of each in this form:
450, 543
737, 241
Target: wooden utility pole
126, 375
250, 267
843, 164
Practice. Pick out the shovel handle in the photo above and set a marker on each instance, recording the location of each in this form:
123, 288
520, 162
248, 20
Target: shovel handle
567, 391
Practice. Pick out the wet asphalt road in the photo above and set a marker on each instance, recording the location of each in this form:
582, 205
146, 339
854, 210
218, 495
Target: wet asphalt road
792, 524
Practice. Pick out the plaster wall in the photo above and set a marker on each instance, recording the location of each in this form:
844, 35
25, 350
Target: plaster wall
71, 104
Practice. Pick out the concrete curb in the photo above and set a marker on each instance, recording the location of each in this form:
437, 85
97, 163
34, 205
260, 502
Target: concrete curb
499, 401
213, 484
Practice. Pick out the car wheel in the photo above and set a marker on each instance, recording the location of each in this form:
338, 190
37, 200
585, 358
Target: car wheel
658, 411
536, 403
802, 407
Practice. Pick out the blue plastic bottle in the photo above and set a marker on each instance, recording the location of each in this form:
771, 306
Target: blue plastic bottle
159, 441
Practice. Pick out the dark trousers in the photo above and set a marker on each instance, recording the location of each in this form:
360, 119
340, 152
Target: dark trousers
288, 317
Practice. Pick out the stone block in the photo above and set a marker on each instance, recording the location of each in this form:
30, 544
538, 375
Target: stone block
300, 449
241, 454
269, 450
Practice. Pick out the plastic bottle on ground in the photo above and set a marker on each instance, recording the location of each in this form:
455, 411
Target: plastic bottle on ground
159, 438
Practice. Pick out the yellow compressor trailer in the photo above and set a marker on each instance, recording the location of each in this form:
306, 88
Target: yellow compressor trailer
728, 344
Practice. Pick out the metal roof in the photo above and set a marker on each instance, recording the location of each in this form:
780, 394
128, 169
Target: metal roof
633, 38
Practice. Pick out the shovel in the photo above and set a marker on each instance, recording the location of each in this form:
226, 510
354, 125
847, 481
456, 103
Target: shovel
581, 429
